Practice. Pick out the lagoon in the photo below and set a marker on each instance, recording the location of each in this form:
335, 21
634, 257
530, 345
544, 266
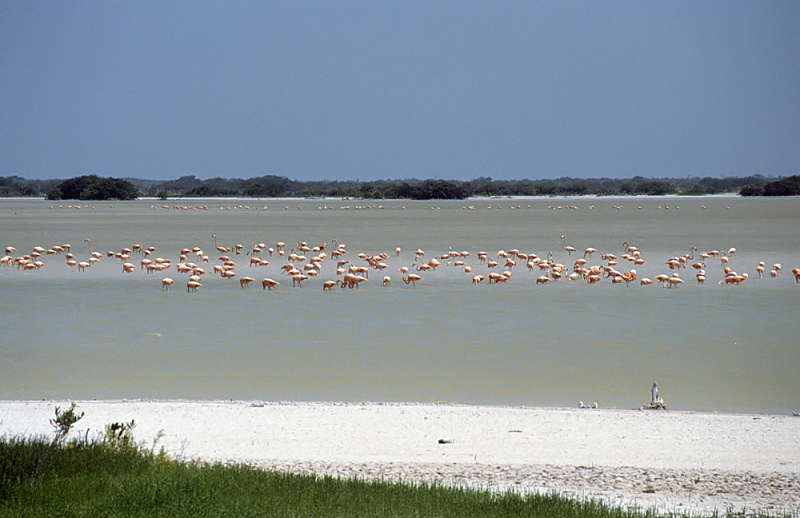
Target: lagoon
104, 334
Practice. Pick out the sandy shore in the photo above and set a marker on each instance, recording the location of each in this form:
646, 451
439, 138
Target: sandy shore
675, 461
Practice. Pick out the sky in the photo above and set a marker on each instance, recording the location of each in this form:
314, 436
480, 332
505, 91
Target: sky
365, 90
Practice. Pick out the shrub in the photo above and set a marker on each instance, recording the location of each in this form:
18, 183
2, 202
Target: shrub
64, 421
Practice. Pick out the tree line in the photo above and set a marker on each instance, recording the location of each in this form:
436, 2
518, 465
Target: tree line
93, 187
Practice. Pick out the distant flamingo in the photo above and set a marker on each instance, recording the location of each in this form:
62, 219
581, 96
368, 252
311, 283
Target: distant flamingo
244, 282
166, 282
192, 286
569, 249
268, 284
674, 281
352, 280
297, 280
97, 255
663, 278
412, 278
220, 249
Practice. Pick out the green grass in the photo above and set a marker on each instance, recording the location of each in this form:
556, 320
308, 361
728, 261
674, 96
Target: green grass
81, 478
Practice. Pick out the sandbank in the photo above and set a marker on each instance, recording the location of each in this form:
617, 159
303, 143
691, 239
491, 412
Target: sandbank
675, 461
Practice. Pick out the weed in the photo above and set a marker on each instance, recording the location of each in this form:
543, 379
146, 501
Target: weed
119, 436
64, 421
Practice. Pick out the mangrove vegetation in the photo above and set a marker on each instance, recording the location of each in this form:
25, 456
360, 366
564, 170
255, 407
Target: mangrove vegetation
93, 187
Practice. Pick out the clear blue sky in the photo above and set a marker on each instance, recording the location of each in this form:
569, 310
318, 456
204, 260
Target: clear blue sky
395, 90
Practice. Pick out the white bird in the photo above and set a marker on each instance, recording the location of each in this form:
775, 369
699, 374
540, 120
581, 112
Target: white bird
654, 392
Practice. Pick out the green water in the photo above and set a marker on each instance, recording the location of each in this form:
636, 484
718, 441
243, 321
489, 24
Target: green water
103, 334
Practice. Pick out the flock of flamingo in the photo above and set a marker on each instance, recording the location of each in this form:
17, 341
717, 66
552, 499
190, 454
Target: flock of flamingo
367, 207
303, 262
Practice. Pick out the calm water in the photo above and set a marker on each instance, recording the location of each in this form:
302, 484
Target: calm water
103, 334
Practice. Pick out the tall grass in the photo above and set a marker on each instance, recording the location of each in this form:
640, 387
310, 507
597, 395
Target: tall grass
104, 478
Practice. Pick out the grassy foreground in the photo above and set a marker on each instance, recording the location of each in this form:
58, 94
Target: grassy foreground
114, 476
42, 479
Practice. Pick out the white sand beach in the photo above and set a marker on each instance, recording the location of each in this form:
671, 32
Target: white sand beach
675, 461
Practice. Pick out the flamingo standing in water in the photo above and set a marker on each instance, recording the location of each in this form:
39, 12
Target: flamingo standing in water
221, 249
569, 249
268, 284
96, 255
412, 278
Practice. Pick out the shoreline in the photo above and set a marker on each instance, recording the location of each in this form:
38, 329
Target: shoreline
673, 460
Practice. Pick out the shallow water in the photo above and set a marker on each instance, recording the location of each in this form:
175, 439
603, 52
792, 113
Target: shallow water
102, 334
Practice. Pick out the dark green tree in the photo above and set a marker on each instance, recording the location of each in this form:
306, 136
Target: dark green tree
92, 187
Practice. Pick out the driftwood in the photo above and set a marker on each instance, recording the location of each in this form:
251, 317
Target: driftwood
655, 405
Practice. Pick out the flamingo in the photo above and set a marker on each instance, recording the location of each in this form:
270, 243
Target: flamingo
166, 282
297, 279
221, 249
674, 281
353, 281
496, 277
97, 255
663, 278
192, 286
268, 284
412, 278
328, 285
569, 249
245, 281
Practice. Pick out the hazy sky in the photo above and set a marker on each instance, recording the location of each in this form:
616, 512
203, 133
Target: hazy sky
395, 90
